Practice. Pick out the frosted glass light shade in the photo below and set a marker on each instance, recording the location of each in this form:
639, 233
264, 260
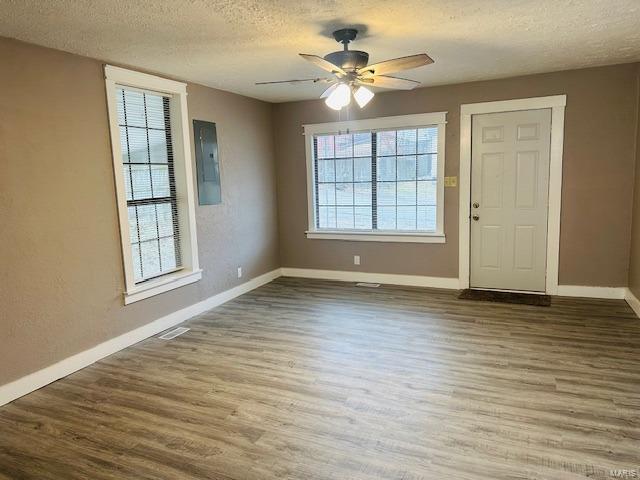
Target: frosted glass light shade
363, 95
339, 98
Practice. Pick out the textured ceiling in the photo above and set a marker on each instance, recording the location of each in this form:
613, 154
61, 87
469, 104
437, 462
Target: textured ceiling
232, 44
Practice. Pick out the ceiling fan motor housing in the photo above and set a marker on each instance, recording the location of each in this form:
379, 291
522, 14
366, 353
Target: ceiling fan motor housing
348, 59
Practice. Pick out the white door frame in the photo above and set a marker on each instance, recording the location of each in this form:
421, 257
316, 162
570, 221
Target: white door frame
557, 104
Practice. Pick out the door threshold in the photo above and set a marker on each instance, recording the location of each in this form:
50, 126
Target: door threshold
527, 292
505, 297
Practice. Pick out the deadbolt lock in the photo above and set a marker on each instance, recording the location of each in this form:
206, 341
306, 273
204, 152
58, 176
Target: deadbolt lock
476, 217
476, 205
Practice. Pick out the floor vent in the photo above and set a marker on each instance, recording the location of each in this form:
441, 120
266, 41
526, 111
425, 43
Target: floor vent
174, 333
367, 284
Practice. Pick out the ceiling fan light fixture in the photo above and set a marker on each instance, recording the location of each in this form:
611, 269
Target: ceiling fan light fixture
340, 97
363, 96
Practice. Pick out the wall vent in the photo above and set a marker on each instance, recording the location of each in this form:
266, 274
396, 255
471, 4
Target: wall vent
174, 333
367, 284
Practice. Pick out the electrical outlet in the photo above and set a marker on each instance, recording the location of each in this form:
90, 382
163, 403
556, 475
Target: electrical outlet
356, 259
239, 272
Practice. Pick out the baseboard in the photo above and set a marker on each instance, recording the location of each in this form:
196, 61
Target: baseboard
388, 278
439, 282
39, 379
633, 301
617, 293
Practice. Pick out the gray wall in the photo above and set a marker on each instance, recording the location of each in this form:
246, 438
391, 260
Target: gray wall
634, 261
62, 277
599, 157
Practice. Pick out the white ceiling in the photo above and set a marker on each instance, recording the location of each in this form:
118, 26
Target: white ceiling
230, 44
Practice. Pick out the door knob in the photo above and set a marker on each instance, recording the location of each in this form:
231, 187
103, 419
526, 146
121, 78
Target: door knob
476, 217
476, 205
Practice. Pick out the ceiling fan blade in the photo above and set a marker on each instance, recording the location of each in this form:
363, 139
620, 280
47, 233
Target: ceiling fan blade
384, 81
323, 64
329, 90
396, 64
315, 80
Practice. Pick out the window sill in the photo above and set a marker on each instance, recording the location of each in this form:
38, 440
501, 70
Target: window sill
408, 237
161, 285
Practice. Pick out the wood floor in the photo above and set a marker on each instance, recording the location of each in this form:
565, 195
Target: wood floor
306, 379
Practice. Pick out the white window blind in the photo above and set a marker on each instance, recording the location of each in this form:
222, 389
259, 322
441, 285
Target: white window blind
383, 180
148, 168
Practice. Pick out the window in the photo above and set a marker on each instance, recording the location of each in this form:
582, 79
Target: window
152, 166
378, 179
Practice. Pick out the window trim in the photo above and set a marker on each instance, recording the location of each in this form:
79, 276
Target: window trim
190, 272
373, 124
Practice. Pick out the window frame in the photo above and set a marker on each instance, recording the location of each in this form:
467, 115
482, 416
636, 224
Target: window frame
190, 271
433, 119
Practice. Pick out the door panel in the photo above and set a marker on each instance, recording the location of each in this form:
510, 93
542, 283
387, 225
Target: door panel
524, 247
509, 197
491, 246
492, 179
526, 179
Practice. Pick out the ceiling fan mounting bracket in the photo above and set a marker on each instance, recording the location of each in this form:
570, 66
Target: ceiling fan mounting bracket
345, 35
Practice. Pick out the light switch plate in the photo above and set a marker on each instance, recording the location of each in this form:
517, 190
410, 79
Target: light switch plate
450, 181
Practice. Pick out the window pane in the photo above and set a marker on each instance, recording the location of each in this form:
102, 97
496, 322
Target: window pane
406, 142
407, 168
168, 253
427, 193
386, 142
165, 219
133, 224
150, 258
140, 181
363, 218
137, 264
158, 146
428, 140
134, 109
427, 167
120, 107
325, 146
344, 194
127, 182
386, 218
406, 193
406, 218
147, 223
386, 169
362, 169
362, 144
427, 218
160, 179
327, 217
138, 149
362, 193
326, 194
344, 170
386, 193
155, 111
124, 146
344, 217
344, 145
326, 171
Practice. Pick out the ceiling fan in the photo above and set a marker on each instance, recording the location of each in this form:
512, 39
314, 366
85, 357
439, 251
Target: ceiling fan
352, 75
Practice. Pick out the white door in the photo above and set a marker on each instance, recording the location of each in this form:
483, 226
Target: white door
509, 199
